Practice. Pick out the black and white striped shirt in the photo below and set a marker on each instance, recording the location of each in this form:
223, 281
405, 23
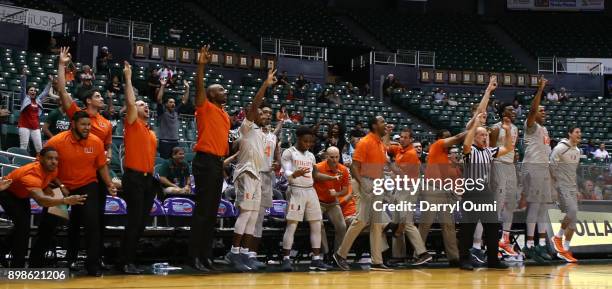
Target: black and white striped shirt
478, 163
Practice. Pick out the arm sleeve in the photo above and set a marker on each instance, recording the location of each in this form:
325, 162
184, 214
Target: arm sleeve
43, 95
360, 151
286, 162
72, 110
101, 157
24, 87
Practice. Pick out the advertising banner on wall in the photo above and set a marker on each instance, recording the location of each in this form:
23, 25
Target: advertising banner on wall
555, 5
35, 19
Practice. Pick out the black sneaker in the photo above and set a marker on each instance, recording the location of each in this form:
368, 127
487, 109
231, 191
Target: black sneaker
341, 262
286, 265
318, 265
497, 265
478, 256
466, 266
422, 259
380, 267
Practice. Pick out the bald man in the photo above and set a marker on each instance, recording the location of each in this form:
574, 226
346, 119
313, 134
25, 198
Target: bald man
329, 192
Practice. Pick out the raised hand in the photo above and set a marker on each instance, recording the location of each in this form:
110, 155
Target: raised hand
64, 56
205, 55
185, 83
5, 183
389, 129
127, 70
507, 123
492, 83
542, 81
271, 77
163, 82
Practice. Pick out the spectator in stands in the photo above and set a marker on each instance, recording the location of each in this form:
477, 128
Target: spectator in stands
115, 88
387, 83
57, 121
70, 73
518, 108
153, 84
52, 49
102, 60
301, 83
86, 85
296, 117
169, 121
552, 95
187, 107
282, 114
439, 95
418, 147
365, 90
563, 95
601, 153
589, 192
174, 173
172, 82
290, 95
30, 112
324, 96
588, 148
335, 98
356, 135
335, 138
165, 72
283, 79
87, 74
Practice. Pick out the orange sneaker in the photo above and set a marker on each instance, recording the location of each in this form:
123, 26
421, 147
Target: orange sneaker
557, 244
506, 248
567, 256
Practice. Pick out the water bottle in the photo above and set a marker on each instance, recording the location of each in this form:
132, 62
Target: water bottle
160, 268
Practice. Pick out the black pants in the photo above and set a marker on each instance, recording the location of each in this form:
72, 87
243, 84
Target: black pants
208, 173
469, 219
102, 192
18, 211
138, 192
165, 147
45, 239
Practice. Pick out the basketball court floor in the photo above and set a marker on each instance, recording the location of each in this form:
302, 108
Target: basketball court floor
596, 275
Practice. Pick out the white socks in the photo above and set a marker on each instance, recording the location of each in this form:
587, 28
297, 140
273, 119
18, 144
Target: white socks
530, 243
477, 246
566, 245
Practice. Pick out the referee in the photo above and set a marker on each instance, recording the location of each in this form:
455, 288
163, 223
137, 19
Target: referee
478, 157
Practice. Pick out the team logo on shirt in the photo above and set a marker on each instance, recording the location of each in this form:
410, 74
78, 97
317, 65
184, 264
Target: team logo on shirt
102, 124
88, 150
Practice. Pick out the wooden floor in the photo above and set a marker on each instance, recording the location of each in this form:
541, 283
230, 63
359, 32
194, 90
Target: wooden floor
560, 276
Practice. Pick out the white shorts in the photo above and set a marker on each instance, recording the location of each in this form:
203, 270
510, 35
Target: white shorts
537, 183
248, 192
504, 183
267, 183
303, 205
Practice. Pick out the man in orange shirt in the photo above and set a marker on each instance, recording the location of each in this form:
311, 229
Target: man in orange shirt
100, 127
329, 193
407, 164
439, 167
369, 160
139, 186
30, 181
81, 159
212, 146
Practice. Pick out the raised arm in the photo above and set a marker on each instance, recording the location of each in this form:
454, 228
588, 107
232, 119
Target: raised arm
45, 93
320, 177
270, 80
130, 98
482, 106
185, 98
469, 137
456, 139
64, 59
535, 104
159, 97
205, 57
24, 83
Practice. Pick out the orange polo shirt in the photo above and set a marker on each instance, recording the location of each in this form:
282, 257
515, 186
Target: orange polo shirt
79, 160
372, 155
140, 146
29, 176
438, 163
323, 188
100, 126
213, 129
406, 159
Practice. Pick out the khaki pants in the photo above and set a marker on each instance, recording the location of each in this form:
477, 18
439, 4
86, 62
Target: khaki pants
363, 220
446, 221
334, 214
410, 230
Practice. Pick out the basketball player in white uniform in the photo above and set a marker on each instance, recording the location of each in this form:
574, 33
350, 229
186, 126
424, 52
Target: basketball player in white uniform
536, 177
271, 160
564, 161
247, 180
303, 203
504, 181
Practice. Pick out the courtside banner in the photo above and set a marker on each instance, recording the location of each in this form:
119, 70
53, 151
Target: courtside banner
593, 230
36, 19
555, 5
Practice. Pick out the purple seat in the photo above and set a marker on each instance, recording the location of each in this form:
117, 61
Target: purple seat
226, 209
157, 209
181, 207
279, 209
35, 207
115, 206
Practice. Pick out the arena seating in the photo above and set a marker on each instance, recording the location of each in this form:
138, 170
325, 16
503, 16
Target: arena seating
562, 35
165, 15
307, 21
459, 40
593, 115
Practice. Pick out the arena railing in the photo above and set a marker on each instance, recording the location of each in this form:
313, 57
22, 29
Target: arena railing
556, 65
400, 57
116, 27
291, 48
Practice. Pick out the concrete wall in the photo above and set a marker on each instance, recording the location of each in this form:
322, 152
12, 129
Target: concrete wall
313, 70
14, 36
